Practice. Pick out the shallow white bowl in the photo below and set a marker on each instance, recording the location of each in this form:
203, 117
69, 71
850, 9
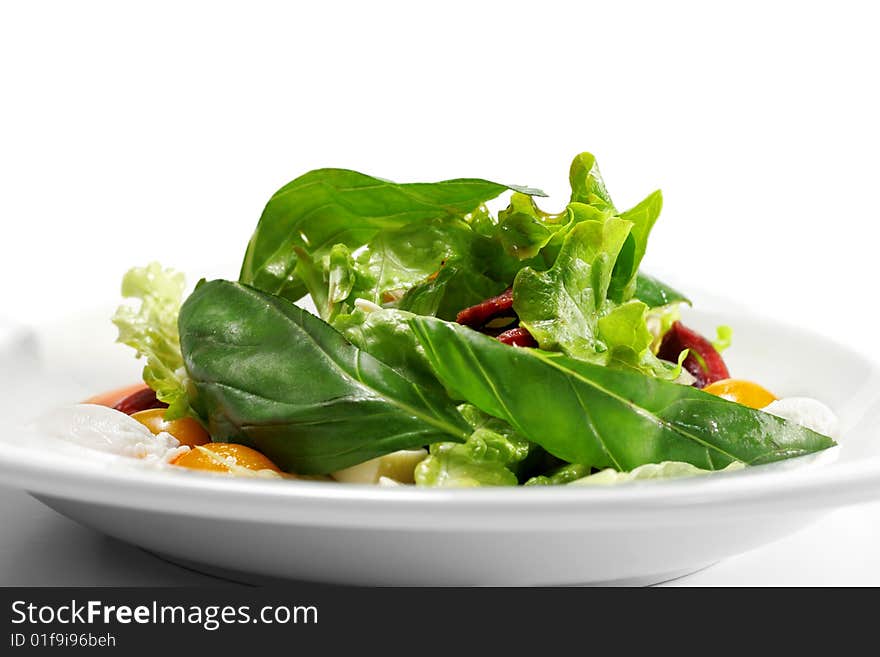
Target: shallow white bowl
634, 533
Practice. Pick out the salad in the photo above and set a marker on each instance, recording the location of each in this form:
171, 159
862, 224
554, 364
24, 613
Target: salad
449, 346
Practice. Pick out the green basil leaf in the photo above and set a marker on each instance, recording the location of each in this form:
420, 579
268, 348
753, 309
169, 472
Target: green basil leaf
385, 334
337, 206
603, 417
655, 293
272, 376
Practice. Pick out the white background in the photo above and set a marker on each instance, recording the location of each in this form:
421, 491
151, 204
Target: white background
158, 131
132, 133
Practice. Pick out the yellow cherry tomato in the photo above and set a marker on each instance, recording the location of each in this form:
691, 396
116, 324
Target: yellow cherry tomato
742, 392
186, 429
226, 457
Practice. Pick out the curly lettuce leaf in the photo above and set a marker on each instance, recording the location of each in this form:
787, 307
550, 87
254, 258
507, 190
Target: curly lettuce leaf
643, 217
561, 306
480, 461
664, 470
723, 338
150, 328
583, 304
625, 333
659, 321
586, 182
489, 457
565, 474
523, 229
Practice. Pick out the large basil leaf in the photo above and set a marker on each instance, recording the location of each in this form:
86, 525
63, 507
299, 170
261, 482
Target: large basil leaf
603, 417
337, 206
270, 375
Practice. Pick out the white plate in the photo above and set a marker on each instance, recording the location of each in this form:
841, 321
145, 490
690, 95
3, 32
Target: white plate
635, 533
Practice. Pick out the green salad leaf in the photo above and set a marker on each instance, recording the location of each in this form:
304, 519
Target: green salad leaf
484, 459
586, 182
326, 207
565, 474
385, 334
270, 375
723, 338
560, 307
643, 217
664, 470
523, 229
603, 417
491, 456
655, 293
457, 285
151, 330
381, 370
567, 309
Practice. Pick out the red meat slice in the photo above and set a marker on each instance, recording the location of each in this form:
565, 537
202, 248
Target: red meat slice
703, 360
479, 315
518, 337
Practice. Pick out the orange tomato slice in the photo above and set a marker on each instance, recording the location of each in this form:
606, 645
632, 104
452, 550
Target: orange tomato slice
187, 430
226, 457
747, 393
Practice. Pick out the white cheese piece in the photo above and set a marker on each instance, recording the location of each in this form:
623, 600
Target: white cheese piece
398, 466
807, 412
107, 430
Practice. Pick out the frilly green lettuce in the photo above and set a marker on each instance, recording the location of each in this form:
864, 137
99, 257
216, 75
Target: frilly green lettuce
151, 330
723, 338
489, 457
562, 475
561, 306
664, 470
